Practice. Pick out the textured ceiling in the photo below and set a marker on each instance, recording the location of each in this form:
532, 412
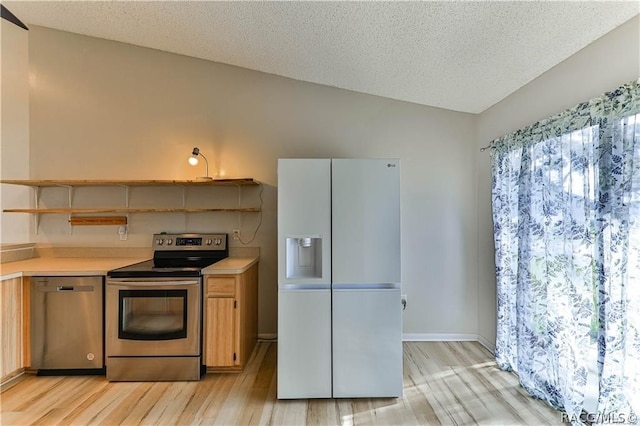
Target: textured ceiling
459, 55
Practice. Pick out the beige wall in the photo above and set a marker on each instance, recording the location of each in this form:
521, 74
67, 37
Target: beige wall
107, 110
14, 128
600, 67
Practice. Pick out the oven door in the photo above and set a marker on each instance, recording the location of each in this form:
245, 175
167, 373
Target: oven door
153, 316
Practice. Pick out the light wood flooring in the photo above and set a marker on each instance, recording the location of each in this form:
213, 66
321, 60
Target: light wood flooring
451, 383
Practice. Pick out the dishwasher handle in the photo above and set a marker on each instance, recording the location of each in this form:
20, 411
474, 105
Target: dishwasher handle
75, 288
65, 288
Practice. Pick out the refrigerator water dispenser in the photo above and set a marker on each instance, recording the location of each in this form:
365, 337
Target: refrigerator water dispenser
304, 257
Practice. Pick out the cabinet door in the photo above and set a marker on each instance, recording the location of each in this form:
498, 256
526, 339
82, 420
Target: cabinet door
220, 328
247, 314
11, 331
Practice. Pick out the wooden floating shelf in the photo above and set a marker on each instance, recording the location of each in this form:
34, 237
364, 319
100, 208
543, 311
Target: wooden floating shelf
134, 210
98, 182
77, 215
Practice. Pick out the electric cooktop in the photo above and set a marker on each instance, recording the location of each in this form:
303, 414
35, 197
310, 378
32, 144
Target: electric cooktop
178, 255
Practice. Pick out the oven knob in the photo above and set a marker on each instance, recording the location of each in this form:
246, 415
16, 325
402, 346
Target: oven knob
159, 241
218, 241
169, 241
209, 242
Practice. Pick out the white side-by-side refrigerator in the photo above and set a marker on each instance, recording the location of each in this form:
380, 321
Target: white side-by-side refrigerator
339, 301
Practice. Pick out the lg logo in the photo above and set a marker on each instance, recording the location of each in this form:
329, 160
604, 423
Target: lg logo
390, 165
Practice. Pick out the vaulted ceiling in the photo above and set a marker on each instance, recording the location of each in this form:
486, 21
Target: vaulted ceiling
458, 55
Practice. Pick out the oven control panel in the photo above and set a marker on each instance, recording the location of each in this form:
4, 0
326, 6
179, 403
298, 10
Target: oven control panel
190, 242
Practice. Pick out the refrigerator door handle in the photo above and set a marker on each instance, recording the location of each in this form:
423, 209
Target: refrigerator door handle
368, 286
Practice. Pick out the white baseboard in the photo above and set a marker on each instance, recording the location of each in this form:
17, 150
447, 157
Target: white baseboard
439, 337
491, 347
267, 337
417, 337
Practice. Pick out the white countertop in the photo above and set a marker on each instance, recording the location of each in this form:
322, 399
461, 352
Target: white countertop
75, 266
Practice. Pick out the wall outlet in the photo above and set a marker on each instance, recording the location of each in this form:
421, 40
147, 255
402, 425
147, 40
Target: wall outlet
403, 300
236, 234
122, 231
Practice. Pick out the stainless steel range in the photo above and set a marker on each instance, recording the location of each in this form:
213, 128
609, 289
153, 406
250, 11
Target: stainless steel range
153, 310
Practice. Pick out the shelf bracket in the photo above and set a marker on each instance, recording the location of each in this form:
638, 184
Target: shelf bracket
36, 217
126, 204
239, 206
70, 193
239, 196
126, 195
185, 216
37, 196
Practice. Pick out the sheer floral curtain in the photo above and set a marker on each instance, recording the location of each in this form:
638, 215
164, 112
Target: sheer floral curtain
566, 212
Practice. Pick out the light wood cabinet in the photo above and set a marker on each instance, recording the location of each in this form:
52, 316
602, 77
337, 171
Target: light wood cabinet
221, 348
231, 320
14, 327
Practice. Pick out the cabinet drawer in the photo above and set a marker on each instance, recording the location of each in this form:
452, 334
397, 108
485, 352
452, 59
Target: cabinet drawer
221, 286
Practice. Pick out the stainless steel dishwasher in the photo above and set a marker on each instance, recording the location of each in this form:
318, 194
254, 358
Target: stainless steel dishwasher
67, 325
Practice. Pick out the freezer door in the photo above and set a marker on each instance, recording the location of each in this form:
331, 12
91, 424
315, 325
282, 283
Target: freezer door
365, 220
367, 341
304, 342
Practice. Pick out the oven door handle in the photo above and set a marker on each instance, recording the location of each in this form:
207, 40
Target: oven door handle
150, 283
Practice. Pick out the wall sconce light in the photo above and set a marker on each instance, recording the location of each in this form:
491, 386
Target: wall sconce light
193, 160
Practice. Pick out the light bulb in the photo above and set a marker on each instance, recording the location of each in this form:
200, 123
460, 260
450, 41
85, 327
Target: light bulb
193, 160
